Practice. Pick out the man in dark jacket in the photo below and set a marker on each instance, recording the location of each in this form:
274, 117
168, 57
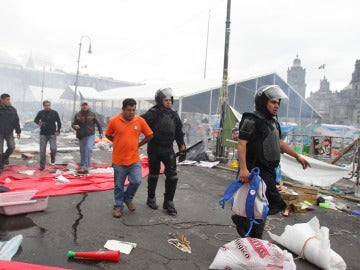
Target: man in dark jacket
9, 120
167, 127
84, 124
50, 125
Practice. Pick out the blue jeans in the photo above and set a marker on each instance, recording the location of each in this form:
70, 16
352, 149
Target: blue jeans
86, 149
133, 172
43, 142
10, 142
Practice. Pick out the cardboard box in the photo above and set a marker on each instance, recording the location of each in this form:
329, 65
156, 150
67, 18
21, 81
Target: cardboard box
307, 193
289, 196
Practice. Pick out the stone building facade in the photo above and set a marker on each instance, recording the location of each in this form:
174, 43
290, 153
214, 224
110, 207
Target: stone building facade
340, 107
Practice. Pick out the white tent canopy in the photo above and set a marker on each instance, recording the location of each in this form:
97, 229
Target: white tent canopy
51, 94
147, 92
89, 93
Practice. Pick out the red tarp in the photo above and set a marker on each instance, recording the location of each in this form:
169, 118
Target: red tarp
45, 182
11, 265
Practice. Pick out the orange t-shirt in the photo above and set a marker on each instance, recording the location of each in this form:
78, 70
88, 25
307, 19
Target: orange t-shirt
126, 138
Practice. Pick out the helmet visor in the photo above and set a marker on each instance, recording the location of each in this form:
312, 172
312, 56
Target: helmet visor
167, 92
274, 92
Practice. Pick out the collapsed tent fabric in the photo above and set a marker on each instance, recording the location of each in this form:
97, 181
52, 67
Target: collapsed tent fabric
320, 174
311, 242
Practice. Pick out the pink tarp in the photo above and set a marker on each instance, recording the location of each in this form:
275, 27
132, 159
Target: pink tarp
46, 184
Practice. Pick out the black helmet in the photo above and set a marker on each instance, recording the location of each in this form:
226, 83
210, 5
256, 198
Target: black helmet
267, 92
163, 93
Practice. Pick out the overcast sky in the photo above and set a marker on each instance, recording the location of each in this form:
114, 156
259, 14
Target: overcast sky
165, 40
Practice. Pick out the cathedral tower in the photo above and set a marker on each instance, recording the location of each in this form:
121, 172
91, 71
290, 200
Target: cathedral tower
296, 77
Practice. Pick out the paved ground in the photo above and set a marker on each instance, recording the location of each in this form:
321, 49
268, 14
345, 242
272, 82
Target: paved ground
84, 222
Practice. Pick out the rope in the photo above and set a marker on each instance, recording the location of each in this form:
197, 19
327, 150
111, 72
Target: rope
302, 252
179, 225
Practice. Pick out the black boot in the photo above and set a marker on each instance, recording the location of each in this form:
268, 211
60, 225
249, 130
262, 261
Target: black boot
241, 223
170, 188
257, 229
151, 199
151, 202
170, 208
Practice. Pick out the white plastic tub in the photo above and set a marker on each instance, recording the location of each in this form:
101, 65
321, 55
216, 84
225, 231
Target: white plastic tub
16, 196
21, 207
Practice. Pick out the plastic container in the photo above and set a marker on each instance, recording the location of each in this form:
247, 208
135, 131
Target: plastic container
16, 196
20, 207
324, 205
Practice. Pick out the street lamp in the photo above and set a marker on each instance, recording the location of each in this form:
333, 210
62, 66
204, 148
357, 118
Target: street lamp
77, 70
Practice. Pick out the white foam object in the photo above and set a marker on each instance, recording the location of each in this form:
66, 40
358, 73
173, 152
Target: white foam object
122, 246
60, 179
311, 241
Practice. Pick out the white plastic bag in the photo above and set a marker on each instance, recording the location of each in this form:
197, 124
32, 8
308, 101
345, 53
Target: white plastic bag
9, 248
239, 207
252, 254
312, 243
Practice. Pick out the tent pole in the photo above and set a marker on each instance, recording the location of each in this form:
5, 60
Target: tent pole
224, 87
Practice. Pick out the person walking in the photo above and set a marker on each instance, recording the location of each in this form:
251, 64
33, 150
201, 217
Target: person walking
260, 145
124, 131
50, 125
9, 120
84, 124
167, 127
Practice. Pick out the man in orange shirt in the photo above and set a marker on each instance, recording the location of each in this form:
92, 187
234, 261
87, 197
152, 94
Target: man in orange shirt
124, 131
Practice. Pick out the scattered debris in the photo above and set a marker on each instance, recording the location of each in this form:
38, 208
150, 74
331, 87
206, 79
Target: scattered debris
122, 246
180, 242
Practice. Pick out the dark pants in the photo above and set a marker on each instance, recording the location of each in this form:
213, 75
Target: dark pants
276, 203
243, 226
43, 142
166, 155
9, 138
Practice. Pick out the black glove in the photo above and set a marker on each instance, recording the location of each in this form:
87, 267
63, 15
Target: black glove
182, 156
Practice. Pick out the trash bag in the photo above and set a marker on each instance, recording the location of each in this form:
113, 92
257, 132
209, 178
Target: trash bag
252, 254
311, 242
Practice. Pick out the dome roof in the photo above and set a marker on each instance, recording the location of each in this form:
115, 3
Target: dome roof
297, 61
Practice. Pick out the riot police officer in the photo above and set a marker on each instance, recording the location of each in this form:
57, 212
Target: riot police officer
167, 128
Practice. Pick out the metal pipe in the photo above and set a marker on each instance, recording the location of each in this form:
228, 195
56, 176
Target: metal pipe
77, 70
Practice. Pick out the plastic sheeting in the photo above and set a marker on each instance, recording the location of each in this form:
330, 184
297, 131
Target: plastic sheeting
10, 265
46, 184
320, 174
